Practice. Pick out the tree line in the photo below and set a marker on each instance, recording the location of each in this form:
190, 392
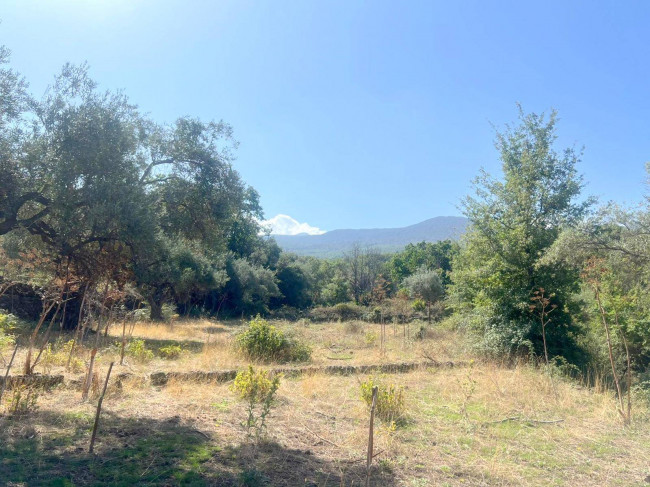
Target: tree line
96, 195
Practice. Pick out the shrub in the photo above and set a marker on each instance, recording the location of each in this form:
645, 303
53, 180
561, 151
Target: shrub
258, 390
138, 350
141, 314
419, 305
7, 323
58, 354
390, 406
264, 342
371, 338
170, 352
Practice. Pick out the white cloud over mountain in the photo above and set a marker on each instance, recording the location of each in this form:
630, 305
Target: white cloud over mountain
285, 225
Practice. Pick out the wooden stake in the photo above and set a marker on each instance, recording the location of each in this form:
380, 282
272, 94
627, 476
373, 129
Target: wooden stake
99, 410
89, 377
371, 434
123, 341
4, 384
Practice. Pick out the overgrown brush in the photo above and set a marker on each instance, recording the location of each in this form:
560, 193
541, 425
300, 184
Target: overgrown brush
264, 342
57, 354
258, 390
390, 406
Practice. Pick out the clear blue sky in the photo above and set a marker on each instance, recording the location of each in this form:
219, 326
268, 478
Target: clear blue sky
356, 114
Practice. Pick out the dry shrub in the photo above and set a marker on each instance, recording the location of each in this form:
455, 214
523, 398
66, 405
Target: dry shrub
354, 327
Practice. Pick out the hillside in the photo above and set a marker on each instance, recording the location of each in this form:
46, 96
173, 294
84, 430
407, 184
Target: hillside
336, 242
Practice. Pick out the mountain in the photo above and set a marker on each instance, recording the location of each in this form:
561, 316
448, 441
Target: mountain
337, 242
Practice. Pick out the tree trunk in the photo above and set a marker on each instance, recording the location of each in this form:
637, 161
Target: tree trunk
155, 304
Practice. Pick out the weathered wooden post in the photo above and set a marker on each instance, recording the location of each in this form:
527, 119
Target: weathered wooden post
99, 409
371, 434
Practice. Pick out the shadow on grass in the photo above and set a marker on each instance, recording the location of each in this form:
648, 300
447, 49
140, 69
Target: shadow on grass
50, 449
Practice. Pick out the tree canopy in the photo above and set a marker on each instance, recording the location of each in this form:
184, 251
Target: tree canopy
514, 222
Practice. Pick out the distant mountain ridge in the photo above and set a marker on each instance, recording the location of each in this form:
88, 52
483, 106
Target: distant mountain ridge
337, 242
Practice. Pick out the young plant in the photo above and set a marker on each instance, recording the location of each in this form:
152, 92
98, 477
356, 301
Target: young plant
258, 390
390, 406
593, 274
542, 304
137, 349
170, 352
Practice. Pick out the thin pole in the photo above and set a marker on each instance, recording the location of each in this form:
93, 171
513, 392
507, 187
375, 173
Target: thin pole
371, 435
99, 410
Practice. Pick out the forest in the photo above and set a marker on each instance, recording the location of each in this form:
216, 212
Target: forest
124, 237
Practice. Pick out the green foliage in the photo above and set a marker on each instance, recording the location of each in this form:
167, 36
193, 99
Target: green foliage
137, 349
371, 338
251, 286
258, 390
87, 179
390, 406
251, 477
336, 291
170, 352
294, 283
419, 305
264, 342
514, 222
427, 255
425, 284
8, 323
617, 240
57, 354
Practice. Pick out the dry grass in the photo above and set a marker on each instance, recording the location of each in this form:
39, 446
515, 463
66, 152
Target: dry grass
210, 346
483, 424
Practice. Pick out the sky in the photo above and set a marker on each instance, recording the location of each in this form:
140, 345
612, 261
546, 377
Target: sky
364, 114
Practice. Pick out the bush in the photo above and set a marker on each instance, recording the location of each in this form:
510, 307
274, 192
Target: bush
390, 406
258, 390
170, 352
58, 354
419, 305
264, 342
7, 323
371, 338
138, 350
141, 314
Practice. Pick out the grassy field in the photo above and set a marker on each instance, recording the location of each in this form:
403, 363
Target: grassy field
478, 423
